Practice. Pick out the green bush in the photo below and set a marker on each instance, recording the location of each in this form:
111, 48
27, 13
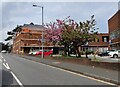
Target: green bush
82, 52
90, 52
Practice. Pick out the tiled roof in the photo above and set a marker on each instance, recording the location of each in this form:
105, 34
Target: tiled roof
32, 26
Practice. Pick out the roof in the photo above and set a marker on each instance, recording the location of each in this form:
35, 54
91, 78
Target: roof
117, 13
32, 26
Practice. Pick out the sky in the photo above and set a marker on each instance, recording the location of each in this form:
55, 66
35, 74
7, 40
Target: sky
19, 13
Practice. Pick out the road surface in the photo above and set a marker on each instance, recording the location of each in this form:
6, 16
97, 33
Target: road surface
27, 72
6, 77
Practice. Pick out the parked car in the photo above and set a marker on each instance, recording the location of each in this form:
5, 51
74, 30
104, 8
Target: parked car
3, 51
33, 52
45, 52
103, 54
114, 54
110, 50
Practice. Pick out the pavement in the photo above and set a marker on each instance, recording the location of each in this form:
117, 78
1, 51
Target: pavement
95, 72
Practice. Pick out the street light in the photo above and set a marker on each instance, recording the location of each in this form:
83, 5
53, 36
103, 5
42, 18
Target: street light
42, 29
86, 49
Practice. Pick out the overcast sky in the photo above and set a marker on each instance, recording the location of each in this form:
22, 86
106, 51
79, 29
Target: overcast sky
19, 13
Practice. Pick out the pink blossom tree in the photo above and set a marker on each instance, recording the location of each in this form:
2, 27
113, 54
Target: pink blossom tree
53, 33
54, 30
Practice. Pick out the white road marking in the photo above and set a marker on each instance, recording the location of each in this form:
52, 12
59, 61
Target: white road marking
4, 60
1, 56
18, 81
0, 60
75, 73
6, 66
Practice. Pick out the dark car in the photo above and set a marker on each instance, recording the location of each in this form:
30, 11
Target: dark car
103, 54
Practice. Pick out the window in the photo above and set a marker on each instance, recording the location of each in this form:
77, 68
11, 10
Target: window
115, 34
105, 38
30, 37
96, 40
112, 36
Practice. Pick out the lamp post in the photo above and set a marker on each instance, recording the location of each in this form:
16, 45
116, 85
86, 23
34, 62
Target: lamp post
42, 29
86, 49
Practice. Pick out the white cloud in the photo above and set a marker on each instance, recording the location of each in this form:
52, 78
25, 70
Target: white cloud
119, 5
16, 13
59, 0
0, 36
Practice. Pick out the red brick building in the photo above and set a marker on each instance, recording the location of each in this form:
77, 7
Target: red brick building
29, 38
101, 44
114, 31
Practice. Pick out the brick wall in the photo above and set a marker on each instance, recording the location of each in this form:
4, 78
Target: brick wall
114, 22
100, 43
28, 38
114, 26
114, 31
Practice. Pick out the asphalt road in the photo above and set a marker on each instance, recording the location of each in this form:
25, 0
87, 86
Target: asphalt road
6, 78
29, 72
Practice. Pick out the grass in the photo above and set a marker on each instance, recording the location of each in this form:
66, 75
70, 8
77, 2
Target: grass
71, 57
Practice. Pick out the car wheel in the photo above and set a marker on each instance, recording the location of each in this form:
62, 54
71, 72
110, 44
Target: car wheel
115, 56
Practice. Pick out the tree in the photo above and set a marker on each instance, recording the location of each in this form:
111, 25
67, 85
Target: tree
8, 38
12, 34
68, 32
5, 46
80, 34
52, 33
